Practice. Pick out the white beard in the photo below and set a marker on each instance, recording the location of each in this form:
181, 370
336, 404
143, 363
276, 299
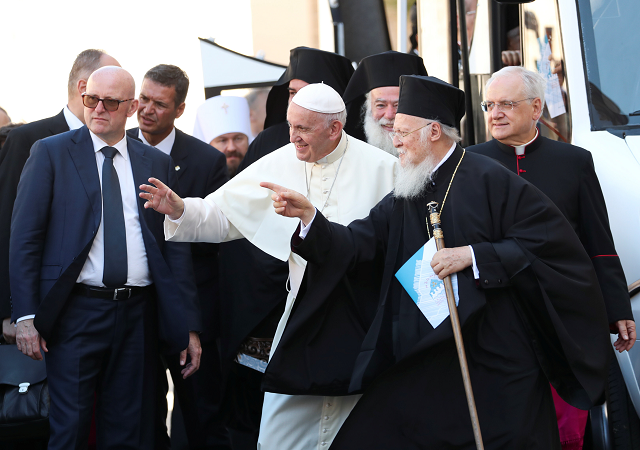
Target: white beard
413, 179
376, 135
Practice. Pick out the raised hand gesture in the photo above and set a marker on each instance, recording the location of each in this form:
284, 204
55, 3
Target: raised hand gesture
162, 199
290, 203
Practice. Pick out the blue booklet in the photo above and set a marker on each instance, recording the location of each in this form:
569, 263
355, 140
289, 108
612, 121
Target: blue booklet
424, 287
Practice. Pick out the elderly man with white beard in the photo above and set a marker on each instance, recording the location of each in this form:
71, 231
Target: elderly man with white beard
344, 177
372, 96
529, 304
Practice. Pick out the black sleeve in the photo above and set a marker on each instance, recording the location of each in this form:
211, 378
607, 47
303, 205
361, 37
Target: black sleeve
178, 258
595, 235
13, 156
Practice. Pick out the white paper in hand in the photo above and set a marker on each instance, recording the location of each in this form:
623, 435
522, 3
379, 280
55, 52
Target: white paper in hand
432, 299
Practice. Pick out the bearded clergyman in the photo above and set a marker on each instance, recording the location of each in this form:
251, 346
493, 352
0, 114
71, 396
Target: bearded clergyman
372, 96
528, 300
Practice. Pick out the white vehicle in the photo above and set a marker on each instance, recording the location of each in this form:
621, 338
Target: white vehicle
592, 46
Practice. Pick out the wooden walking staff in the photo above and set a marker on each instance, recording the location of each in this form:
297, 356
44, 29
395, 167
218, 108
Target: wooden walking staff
434, 218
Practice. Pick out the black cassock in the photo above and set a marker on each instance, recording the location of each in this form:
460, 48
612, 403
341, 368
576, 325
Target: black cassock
566, 174
534, 316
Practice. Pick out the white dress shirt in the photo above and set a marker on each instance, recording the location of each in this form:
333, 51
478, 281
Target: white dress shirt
73, 122
138, 267
165, 145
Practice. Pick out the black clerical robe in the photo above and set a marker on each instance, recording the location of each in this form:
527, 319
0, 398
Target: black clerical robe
566, 174
534, 316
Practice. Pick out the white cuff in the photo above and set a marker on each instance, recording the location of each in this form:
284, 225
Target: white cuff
305, 229
476, 272
178, 221
30, 316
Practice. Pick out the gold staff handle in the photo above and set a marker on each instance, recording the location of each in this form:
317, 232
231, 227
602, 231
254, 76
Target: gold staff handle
434, 218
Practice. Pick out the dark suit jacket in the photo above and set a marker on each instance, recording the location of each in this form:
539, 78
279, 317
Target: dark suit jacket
56, 217
201, 169
13, 155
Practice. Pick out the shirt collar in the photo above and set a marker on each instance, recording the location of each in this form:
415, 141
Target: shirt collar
442, 161
336, 153
519, 149
99, 144
73, 122
165, 145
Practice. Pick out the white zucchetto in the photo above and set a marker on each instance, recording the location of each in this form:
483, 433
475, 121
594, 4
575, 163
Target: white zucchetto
319, 97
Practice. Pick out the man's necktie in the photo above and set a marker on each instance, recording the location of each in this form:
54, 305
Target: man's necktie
115, 237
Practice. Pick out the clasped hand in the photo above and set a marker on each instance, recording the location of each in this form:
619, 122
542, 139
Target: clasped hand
451, 260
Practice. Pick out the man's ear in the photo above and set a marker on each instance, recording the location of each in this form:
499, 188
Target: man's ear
537, 108
336, 129
180, 109
133, 107
436, 132
82, 86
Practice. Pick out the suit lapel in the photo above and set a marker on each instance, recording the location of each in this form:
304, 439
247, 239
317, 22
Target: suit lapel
141, 167
179, 154
133, 134
84, 158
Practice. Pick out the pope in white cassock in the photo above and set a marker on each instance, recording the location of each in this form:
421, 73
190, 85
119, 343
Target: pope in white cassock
343, 177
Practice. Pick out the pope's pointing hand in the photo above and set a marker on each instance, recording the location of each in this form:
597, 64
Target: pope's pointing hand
162, 199
290, 203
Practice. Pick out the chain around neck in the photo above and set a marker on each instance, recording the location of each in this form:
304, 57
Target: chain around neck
447, 193
307, 180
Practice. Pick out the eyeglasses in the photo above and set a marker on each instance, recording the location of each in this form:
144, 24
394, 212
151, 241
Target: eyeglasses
400, 135
502, 106
110, 104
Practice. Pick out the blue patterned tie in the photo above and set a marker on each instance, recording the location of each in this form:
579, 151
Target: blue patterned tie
115, 236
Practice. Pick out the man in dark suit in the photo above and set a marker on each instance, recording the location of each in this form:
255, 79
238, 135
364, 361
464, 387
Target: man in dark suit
200, 169
14, 154
93, 282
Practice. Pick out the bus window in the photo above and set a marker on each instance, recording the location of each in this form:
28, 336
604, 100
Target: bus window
542, 51
610, 36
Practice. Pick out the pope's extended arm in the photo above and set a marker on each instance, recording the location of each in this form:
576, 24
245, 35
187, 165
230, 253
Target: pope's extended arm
191, 219
161, 198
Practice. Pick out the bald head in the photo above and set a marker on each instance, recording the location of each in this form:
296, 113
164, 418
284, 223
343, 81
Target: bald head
114, 75
112, 83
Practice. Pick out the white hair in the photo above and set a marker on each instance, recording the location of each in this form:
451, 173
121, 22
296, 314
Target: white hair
339, 116
451, 133
533, 84
373, 130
